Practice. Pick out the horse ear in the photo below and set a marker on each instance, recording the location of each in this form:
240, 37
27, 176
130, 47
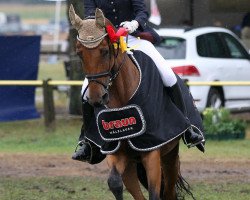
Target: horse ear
99, 17
74, 18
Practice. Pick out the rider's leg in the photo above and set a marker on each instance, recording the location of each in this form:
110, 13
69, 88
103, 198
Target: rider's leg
169, 80
191, 137
167, 75
84, 152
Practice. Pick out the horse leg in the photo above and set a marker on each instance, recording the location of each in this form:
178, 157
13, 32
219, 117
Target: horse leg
115, 183
117, 164
152, 164
131, 182
170, 167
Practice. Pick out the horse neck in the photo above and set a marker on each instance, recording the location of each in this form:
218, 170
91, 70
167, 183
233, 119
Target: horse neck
125, 84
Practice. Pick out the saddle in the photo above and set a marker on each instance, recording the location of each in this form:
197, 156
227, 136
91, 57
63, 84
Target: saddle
146, 36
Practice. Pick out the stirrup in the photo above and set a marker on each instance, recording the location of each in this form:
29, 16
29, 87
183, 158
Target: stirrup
95, 155
80, 143
80, 153
190, 145
187, 140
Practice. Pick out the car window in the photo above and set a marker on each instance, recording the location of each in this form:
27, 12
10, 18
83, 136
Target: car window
235, 48
172, 48
211, 45
202, 48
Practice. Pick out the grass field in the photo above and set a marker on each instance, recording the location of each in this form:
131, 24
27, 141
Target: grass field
54, 71
74, 188
31, 136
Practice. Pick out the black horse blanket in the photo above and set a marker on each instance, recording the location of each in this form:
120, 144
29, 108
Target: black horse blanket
163, 120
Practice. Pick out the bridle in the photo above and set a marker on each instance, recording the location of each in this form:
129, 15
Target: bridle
112, 72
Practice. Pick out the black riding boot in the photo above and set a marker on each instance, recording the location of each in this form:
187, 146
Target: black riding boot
84, 152
191, 137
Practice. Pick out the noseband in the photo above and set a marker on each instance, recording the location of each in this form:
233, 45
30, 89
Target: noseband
111, 73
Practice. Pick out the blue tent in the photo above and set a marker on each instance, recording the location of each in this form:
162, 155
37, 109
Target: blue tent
19, 58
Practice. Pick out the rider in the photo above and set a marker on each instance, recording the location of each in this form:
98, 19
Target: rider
133, 16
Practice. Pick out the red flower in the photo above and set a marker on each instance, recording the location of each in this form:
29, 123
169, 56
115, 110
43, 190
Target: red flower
114, 36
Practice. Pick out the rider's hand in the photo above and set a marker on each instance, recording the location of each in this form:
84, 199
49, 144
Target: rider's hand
130, 26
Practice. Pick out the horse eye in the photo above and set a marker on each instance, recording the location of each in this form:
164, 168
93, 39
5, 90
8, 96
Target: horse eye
104, 52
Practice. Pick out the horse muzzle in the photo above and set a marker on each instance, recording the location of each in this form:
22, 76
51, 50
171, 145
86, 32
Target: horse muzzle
98, 100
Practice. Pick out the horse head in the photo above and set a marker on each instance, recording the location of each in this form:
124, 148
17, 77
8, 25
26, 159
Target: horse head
97, 54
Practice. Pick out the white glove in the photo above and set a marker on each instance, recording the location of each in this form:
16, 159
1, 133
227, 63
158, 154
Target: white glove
130, 26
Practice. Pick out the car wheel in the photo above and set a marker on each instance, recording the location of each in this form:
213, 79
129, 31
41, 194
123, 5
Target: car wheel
215, 98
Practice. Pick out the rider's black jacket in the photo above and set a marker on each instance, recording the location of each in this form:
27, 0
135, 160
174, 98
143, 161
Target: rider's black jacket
118, 11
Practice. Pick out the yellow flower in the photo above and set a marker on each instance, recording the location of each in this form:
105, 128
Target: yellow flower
115, 45
123, 44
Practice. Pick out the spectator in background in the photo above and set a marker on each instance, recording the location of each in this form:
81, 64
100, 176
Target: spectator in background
245, 30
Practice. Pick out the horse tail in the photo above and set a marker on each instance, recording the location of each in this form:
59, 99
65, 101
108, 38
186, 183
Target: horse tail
183, 188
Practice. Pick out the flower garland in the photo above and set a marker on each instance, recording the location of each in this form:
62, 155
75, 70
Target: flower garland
118, 36
114, 36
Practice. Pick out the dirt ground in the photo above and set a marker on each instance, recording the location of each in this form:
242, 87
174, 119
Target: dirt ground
27, 165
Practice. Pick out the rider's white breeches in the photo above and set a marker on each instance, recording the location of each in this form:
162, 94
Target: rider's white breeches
167, 75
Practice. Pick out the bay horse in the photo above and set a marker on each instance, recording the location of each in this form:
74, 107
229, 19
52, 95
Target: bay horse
113, 78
